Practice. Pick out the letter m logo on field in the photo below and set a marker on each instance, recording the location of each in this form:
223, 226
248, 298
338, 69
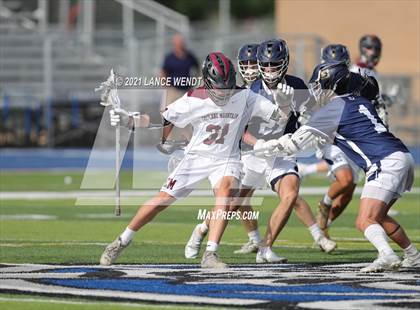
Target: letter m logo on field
170, 184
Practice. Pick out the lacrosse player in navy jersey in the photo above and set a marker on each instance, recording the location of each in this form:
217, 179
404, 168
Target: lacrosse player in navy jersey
281, 173
352, 123
344, 170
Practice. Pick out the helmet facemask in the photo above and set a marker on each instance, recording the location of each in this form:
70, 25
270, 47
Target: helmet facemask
323, 95
248, 70
273, 72
220, 96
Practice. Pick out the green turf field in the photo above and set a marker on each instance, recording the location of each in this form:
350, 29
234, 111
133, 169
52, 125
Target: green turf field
69, 234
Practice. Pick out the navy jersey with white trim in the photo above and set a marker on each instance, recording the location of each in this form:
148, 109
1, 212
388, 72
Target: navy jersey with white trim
272, 129
353, 124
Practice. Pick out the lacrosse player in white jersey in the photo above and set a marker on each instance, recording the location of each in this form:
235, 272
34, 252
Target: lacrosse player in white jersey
218, 113
280, 173
248, 69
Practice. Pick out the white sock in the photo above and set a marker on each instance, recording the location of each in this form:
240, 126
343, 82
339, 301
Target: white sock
329, 222
327, 200
264, 250
127, 235
377, 236
411, 250
204, 228
254, 236
315, 232
212, 246
310, 169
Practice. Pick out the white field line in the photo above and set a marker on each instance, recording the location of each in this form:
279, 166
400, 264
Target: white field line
100, 195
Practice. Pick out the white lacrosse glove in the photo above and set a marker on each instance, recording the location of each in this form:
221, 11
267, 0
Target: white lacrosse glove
286, 144
304, 118
121, 117
266, 148
284, 95
258, 144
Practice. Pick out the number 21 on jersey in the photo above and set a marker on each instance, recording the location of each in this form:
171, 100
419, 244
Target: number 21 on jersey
217, 134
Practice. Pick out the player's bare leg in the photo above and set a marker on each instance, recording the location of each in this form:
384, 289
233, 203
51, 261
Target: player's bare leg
397, 234
304, 213
143, 216
224, 192
243, 204
287, 188
341, 202
372, 213
343, 182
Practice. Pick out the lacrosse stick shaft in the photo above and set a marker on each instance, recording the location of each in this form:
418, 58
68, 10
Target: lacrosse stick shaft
254, 152
117, 171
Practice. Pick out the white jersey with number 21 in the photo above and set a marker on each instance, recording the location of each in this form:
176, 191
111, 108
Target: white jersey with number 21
217, 130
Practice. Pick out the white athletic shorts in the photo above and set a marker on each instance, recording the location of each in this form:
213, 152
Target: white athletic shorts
195, 168
278, 167
253, 171
174, 159
336, 159
390, 177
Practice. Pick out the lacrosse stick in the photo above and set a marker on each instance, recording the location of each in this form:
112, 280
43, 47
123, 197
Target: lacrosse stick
110, 97
273, 151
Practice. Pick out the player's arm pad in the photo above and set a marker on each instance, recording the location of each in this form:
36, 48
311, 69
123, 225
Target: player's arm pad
302, 140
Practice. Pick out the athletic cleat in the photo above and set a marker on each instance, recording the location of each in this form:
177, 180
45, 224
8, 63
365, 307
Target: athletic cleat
411, 261
383, 263
211, 260
326, 244
322, 216
268, 256
192, 248
249, 247
112, 251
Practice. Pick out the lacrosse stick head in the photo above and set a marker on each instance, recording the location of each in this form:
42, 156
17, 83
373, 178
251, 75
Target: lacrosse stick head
106, 88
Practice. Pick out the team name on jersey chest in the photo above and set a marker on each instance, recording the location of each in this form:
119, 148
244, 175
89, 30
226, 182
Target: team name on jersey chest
219, 115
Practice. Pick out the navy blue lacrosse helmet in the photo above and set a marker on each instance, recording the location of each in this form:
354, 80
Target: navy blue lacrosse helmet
219, 77
273, 60
247, 62
336, 52
329, 79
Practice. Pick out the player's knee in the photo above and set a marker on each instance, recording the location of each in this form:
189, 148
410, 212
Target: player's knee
289, 197
346, 180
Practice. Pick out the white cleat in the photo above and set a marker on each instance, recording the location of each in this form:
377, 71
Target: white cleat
326, 244
412, 261
383, 263
193, 246
266, 255
112, 251
211, 260
249, 247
